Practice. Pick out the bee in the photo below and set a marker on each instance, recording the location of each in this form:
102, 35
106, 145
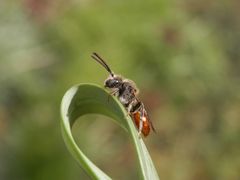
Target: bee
126, 91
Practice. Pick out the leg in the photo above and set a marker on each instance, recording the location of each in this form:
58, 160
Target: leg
132, 108
113, 93
141, 120
129, 108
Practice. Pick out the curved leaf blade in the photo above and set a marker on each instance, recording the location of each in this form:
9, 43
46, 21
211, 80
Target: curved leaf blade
88, 98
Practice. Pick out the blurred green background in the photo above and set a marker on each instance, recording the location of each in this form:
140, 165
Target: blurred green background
183, 55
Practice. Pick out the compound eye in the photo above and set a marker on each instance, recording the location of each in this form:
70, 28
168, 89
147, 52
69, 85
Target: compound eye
117, 82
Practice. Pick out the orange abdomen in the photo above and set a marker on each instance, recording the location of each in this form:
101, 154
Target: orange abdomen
146, 123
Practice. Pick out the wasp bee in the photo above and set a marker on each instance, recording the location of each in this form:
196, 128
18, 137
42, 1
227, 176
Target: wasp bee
126, 91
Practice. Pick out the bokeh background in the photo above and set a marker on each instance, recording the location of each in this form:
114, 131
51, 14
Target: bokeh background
184, 56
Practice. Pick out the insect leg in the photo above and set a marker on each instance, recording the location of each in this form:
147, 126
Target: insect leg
132, 107
113, 93
141, 119
129, 108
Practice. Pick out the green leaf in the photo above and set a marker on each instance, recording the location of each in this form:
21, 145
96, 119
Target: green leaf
88, 98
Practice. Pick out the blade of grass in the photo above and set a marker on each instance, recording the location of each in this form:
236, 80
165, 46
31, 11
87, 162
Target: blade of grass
88, 98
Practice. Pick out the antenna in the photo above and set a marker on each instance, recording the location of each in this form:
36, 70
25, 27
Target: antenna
96, 57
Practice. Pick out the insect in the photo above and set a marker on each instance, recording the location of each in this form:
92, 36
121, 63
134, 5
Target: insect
127, 92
